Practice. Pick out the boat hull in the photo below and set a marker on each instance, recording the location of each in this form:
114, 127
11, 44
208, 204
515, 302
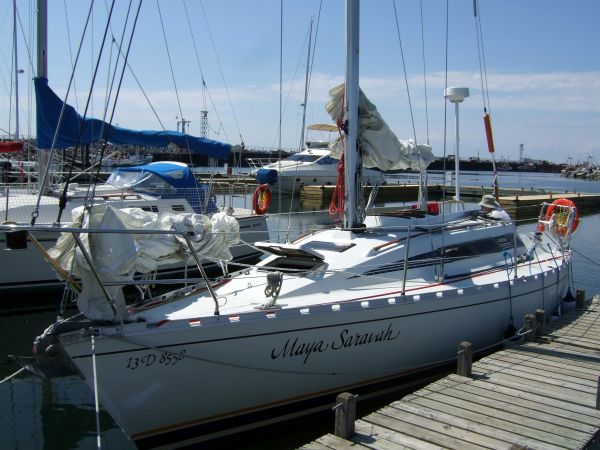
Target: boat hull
26, 271
182, 381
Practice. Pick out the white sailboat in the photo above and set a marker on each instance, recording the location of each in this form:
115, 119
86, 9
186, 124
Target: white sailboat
313, 166
155, 187
339, 309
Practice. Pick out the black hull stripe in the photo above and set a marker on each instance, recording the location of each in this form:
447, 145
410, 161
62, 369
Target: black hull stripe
143, 347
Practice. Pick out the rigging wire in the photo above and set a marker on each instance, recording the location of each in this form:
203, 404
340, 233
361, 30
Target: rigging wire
162, 25
212, 41
139, 84
62, 203
314, 48
164, 34
68, 28
105, 130
204, 85
445, 138
35, 212
412, 117
485, 94
422, 174
424, 70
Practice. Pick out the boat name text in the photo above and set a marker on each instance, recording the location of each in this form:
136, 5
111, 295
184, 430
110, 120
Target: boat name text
149, 359
295, 348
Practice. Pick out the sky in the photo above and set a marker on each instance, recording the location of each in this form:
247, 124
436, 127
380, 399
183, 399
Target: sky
542, 69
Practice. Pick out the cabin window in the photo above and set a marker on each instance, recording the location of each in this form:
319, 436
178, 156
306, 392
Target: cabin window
327, 160
150, 208
178, 208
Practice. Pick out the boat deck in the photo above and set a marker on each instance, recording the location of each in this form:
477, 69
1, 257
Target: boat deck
541, 394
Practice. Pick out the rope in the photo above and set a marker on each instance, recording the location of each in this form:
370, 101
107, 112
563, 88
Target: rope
96, 401
593, 261
336, 207
13, 375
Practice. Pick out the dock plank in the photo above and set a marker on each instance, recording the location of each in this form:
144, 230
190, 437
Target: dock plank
495, 416
539, 394
383, 438
505, 404
474, 428
429, 431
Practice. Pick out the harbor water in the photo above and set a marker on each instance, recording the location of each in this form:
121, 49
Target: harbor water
37, 413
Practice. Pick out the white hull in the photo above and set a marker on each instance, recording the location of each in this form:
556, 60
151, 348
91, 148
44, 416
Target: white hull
289, 182
192, 374
339, 327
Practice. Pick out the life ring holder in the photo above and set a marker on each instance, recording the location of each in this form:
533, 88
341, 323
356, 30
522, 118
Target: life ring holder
261, 200
558, 215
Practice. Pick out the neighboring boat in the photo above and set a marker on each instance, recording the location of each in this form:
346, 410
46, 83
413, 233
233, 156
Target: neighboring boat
312, 166
156, 187
348, 308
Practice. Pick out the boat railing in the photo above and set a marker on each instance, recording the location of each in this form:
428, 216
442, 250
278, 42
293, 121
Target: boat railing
259, 163
18, 237
560, 220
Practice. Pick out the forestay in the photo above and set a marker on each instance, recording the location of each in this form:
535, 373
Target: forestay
381, 148
117, 257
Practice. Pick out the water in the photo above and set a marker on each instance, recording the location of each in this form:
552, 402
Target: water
59, 413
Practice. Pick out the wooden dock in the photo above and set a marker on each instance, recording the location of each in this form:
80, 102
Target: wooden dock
541, 394
520, 203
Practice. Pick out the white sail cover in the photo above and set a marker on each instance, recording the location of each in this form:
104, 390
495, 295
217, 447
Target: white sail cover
381, 148
117, 257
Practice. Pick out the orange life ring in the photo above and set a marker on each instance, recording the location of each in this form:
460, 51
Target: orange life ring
261, 200
560, 216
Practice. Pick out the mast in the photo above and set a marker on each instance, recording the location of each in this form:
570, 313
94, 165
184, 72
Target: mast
42, 72
42, 39
306, 87
16, 69
351, 155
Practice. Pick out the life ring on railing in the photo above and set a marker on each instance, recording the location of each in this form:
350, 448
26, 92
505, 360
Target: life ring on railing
559, 217
261, 200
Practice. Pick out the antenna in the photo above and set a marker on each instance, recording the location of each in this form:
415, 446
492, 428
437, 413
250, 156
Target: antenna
521, 152
456, 95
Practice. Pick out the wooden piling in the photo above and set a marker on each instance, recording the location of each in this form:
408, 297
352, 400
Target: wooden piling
580, 298
345, 415
530, 327
465, 359
540, 318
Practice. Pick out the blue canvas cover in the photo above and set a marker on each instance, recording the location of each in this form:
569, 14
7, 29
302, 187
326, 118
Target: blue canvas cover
178, 176
49, 106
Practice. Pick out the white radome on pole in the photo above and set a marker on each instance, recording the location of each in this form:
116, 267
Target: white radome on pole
456, 95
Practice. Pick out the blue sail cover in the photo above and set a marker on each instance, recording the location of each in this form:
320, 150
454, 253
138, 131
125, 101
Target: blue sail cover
176, 174
49, 106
